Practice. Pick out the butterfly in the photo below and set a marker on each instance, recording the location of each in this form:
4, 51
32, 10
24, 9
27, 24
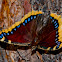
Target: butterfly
32, 31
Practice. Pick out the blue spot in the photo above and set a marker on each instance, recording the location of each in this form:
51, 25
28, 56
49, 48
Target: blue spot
25, 21
40, 14
7, 33
18, 26
28, 19
53, 20
31, 17
56, 41
0, 36
56, 35
50, 17
56, 32
55, 24
4, 34
11, 32
24, 24
15, 29
34, 17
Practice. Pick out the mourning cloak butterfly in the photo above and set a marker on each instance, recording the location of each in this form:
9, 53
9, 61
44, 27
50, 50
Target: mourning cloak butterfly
27, 33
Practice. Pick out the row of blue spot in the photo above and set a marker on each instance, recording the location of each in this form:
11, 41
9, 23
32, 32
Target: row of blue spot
58, 43
4, 34
56, 26
29, 19
55, 22
56, 36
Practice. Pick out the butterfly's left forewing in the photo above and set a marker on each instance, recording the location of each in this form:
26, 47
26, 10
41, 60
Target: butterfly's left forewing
21, 33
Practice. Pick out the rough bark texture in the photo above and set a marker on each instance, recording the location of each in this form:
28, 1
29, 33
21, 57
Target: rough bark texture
25, 56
